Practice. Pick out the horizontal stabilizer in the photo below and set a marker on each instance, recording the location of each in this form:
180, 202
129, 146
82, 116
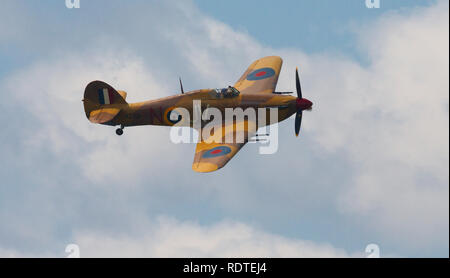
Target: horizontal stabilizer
123, 94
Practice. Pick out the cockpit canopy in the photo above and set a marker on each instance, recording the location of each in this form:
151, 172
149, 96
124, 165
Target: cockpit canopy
229, 92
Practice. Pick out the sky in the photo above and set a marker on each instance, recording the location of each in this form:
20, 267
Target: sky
370, 166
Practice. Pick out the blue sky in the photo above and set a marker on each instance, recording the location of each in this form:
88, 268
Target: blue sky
313, 26
365, 170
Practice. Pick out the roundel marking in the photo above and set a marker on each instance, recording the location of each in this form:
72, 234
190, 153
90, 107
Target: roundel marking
176, 117
260, 74
217, 151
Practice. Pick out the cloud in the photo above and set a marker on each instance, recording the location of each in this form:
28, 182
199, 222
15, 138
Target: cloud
168, 237
391, 119
171, 238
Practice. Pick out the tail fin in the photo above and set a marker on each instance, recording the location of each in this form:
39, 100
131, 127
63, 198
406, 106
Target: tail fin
102, 102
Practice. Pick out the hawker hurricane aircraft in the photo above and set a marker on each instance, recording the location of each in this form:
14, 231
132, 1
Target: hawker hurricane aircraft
255, 89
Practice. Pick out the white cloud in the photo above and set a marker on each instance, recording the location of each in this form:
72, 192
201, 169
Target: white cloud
391, 118
172, 238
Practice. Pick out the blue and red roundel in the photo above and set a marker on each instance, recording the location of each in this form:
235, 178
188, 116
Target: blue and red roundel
217, 151
260, 74
105, 96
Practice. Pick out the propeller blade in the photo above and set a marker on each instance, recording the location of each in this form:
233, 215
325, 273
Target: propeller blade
297, 83
298, 122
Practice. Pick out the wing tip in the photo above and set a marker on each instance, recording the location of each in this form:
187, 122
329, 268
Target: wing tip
204, 167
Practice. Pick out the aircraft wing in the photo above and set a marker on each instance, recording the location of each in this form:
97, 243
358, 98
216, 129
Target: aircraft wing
212, 156
261, 76
103, 115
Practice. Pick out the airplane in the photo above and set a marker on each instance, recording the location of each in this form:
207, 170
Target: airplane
256, 88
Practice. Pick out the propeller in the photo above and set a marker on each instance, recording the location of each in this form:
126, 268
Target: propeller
298, 122
301, 104
297, 84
